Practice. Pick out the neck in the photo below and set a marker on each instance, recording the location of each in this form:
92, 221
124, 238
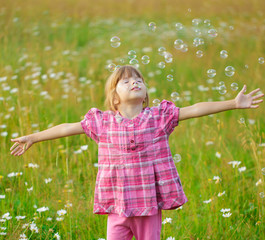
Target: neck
130, 111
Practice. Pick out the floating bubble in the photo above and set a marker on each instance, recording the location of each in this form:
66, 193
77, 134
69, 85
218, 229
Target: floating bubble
223, 54
170, 77
132, 54
207, 22
229, 71
242, 120
261, 194
161, 65
197, 32
212, 33
184, 47
115, 42
152, 26
221, 83
179, 26
196, 21
222, 89
234, 86
178, 44
263, 171
145, 59
134, 61
261, 60
211, 73
168, 57
174, 96
198, 41
199, 53
177, 158
122, 60
161, 51
156, 102
111, 67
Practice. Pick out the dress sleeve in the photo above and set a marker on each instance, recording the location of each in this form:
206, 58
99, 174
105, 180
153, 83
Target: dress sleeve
92, 123
169, 116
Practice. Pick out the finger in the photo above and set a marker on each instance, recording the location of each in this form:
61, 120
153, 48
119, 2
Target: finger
258, 96
244, 89
19, 153
254, 106
258, 101
254, 91
14, 146
15, 151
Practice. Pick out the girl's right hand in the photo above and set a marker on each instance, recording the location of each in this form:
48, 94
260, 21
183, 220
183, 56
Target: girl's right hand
22, 144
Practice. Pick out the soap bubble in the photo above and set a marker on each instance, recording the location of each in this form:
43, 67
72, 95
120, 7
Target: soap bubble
170, 77
207, 22
212, 33
177, 158
111, 67
229, 71
263, 171
222, 89
184, 47
178, 44
199, 53
261, 60
156, 102
198, 41
145, 59
234, 86
179, 26
161, 51
152, 26
221, 83
168, 57
174, 96
115, 42
132, 54
161, 65
133, 61
242, 120
211, 73
196, 21
223, 54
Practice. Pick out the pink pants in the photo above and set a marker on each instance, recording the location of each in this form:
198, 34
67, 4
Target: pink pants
143, 228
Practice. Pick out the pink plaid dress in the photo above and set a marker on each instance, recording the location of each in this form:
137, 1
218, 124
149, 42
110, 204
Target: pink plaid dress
136, 172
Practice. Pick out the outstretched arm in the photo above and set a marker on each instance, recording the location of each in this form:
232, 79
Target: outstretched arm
205, 108
22, 144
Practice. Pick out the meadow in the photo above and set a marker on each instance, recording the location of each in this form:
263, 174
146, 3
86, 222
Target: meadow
55, 59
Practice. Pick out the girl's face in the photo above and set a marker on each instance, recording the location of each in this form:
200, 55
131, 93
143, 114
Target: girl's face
131, 89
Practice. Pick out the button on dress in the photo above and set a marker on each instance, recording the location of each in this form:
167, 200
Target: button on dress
136, 172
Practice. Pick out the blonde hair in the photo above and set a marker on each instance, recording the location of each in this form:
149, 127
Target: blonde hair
114, 78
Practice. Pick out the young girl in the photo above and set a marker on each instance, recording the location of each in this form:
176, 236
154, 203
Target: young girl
137, 177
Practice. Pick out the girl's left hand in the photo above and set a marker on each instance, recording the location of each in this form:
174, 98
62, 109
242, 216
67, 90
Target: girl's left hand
247, 101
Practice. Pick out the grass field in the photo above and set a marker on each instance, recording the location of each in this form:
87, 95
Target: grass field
55, 58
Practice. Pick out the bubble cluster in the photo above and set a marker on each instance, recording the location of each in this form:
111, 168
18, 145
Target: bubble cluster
115, 42
229, 71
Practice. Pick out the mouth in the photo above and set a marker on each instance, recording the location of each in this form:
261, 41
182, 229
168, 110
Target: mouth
136, 88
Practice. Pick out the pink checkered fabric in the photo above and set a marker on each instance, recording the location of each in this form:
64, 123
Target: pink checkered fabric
136, 172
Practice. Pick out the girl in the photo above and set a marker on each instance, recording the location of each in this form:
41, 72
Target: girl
137, 177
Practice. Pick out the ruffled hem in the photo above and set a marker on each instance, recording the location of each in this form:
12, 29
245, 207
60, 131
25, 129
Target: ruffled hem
111, 209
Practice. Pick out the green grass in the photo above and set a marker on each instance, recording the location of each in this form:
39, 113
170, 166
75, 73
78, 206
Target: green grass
79, 40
